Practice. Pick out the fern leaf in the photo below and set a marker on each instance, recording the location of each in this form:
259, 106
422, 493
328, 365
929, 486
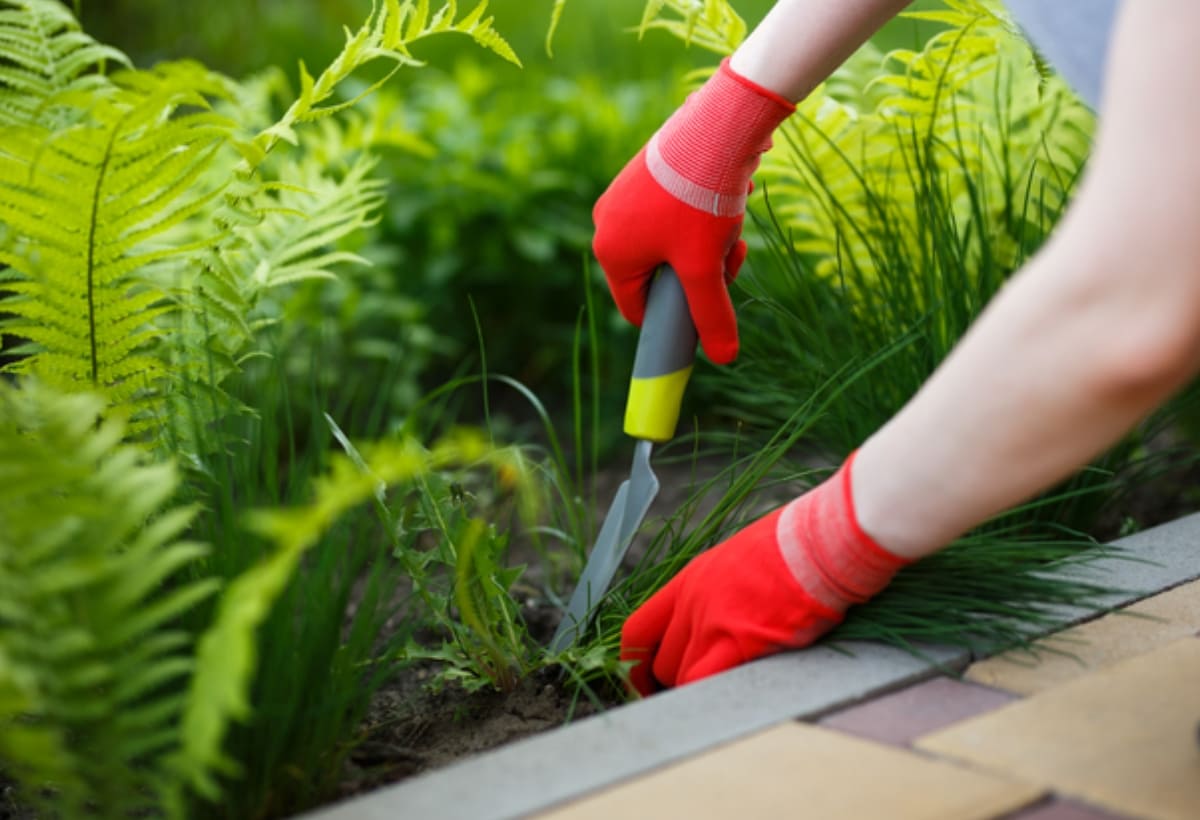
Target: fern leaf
103, 704
712, 24
417, 18
45, 52
969, 105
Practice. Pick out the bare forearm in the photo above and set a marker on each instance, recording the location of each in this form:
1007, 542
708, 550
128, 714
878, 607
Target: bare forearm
800, 42
1035, 390
1097, 331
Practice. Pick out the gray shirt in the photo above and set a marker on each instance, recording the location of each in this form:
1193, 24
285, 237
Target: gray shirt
1073, 35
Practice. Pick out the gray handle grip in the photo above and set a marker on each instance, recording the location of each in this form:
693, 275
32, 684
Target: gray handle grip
667, 343
665, 353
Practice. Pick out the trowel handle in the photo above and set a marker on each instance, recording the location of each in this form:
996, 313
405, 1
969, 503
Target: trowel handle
665, 353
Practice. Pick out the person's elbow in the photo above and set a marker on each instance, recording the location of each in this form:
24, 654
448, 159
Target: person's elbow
1147, 327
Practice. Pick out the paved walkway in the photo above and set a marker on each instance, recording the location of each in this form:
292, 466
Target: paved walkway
1101, 723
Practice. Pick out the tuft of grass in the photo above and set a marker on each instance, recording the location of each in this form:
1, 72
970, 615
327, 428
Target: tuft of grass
320, 647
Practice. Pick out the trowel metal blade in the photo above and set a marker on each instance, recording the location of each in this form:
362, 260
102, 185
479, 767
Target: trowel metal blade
625, 515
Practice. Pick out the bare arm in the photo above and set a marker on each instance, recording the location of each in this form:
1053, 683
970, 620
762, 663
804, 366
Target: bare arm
800, 42
1099, 329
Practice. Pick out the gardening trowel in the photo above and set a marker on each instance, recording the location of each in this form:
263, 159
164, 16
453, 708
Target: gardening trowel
665, 353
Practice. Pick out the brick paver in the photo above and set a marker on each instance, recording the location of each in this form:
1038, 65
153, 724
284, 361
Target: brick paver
1122, 738
799, 770
901, 717
1059, 809
1074, 652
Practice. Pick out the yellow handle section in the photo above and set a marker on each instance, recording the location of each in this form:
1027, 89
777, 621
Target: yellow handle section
652, 410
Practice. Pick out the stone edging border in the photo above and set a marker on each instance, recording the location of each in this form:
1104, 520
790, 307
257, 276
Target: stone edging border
539, 772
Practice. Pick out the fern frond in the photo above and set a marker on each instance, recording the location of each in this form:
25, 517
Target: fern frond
387, 34
93, 205
90, 663
292, 242
711, 24
45, 52
968, 112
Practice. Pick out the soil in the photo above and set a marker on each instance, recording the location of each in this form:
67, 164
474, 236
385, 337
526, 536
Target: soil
417, 730
412, 730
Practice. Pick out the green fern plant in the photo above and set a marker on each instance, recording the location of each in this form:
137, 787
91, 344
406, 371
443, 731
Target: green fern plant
100, 172
92, 660
1007, 139
139, 225
145, 218
109, 704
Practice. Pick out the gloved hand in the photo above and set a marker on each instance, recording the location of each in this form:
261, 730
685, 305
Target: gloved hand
780, 583
682, 200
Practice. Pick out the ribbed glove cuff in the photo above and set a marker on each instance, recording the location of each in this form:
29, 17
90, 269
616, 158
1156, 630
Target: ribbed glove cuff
826, 549
705, 154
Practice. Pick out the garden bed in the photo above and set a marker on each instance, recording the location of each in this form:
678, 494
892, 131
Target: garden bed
563, 763
414, 733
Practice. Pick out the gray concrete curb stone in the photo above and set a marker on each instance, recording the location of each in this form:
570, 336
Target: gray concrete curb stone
542, 771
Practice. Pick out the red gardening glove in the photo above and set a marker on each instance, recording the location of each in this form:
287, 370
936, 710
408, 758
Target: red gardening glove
781, 583
682, 200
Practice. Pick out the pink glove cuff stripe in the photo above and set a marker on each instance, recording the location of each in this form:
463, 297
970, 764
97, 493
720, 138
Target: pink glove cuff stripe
793, 545
688, 192
828, 553
706, 152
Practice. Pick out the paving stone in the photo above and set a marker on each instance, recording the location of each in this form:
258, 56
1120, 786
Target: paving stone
797, 770
564, 763
901, 717
1063, 656
1122, 738
1059, 809
1148, 562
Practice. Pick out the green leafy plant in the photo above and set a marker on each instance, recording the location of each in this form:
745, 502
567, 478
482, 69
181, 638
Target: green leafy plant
124, 692
141, 225
93, 662
149, 225
496, 213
